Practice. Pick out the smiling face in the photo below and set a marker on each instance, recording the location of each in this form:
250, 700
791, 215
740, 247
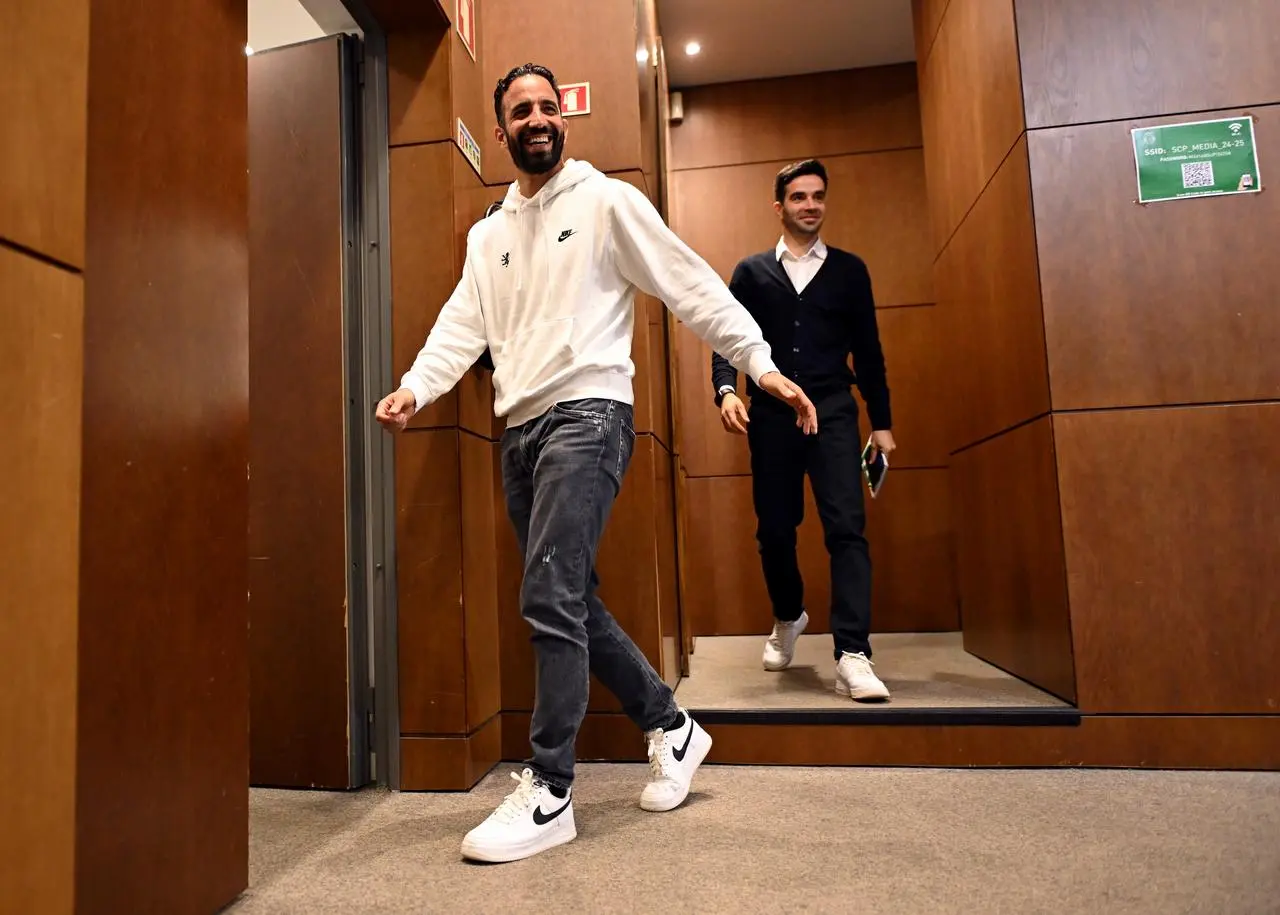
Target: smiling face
532, 128
803, 206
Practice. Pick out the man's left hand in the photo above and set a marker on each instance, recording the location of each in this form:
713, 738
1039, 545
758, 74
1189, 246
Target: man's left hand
882, 442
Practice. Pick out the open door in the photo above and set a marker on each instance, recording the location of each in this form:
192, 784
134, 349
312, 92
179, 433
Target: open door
308, 637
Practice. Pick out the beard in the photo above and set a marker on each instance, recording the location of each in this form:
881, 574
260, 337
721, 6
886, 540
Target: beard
536, 161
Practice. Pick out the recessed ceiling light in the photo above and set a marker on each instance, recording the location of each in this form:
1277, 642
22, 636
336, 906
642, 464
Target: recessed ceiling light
247, 50
692, 48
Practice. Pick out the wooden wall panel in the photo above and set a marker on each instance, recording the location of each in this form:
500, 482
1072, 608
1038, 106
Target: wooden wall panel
916, 348
1172, 569
913, 575
659, 377
1009, 557
705, 448
1098, 60
1166, 313
865, 110
480, 580
423, 273
450, 763
41, 335
971, 106
668, 570
419, 86
44, 81
908, 528
646, 47
163, 751
1129, 741
599, 48
297, 489
429, 566
513, 631
927, 16
989, 300
407, 15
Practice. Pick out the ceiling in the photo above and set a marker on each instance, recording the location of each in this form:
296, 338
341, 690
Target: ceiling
273, 23
758, 39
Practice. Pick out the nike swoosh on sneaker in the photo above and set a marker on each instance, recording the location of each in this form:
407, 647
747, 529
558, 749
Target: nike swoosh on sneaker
542, 819
678, 752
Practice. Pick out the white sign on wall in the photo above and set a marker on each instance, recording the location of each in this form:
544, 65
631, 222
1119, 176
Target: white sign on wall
467, 143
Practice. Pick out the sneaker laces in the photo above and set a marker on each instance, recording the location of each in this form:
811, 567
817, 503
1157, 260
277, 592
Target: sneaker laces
860, 663
657, 752
518, 801
781, 630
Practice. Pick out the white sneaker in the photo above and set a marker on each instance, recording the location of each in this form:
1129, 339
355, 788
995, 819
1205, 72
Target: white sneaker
673, 758
780, 647
530, 820
855, 679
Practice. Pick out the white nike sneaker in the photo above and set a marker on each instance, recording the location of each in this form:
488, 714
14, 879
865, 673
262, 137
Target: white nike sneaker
673, 758
780, 647
855, 678
530, 820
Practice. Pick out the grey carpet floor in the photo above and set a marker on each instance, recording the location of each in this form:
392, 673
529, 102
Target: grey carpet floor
791, 839
922, 670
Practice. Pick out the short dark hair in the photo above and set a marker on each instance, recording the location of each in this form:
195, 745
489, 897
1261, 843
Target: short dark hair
796, 170
500, 91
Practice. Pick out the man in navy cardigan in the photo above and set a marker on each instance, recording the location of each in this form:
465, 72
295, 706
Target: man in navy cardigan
815, 307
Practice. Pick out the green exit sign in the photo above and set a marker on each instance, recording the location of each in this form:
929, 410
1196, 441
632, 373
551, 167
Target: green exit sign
1196, 159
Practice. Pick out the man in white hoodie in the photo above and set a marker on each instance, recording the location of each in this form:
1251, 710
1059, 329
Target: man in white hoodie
548, 286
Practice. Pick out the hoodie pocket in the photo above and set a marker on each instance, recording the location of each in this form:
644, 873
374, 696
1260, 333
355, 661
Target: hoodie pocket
534, 354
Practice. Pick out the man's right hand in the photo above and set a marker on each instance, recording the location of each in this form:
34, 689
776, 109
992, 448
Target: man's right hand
733, 414
395, 410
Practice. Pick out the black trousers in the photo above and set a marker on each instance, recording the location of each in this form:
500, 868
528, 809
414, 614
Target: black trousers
780, 457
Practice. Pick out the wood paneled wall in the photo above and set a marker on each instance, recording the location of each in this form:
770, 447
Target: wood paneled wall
44, 81
1103, 350
123, 455
464, 648
1151, 338
162, 754
449, 679
1013, 604
866, 127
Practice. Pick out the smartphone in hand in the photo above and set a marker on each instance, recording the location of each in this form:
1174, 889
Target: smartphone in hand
875, 468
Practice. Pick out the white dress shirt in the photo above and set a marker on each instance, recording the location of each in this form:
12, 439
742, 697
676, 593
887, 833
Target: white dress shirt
801, 269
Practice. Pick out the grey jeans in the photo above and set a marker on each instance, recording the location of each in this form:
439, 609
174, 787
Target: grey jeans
561, 473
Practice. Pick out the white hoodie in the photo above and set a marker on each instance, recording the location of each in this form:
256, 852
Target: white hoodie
549, 286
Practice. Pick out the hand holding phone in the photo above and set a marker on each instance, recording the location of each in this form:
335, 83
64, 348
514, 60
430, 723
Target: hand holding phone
875, 465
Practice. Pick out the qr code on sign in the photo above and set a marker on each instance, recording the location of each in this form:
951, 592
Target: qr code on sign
1197, 174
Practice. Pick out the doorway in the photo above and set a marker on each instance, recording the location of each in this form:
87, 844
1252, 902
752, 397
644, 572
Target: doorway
321, 597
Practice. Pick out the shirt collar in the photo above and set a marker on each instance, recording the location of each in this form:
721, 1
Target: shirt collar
818, 250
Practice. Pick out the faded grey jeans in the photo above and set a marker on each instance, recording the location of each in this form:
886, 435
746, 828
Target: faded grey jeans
561, 473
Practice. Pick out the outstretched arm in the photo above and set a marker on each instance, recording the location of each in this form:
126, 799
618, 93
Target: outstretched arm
723, 374
654, 258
